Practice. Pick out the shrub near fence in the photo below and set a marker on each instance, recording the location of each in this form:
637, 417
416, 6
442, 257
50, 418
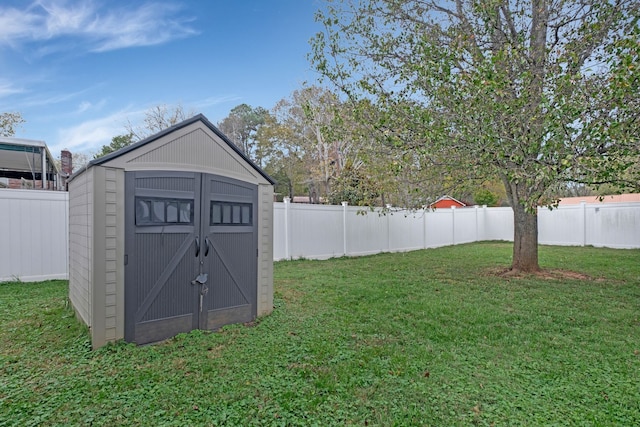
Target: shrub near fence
34, 230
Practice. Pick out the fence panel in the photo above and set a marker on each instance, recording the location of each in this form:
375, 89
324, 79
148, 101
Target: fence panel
439, 228
279, 232
613, 226
406, 230
315, 231
563, 226
465, 227
497, 224
366, 232
34, 235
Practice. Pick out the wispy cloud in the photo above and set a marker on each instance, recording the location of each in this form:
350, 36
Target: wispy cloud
47, 100
89, 136
97, 26
84, 106
87, 106
7, 88
213, 101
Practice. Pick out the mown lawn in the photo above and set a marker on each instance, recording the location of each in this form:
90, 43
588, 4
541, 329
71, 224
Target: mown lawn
431, 337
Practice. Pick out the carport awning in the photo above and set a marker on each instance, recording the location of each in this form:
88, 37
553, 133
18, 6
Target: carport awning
21, 155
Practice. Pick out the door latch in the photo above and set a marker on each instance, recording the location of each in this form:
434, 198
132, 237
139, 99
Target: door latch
201, 279
203, 292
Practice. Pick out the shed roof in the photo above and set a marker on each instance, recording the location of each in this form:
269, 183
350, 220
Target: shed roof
197, 118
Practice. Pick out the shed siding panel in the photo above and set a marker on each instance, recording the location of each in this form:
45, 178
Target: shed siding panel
110, 311
110, 300
98, 276
110, 334
118, 241
112, 261
265, 247
81, 244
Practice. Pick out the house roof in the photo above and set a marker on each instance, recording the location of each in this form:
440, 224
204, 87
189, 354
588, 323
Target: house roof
448, 198
183, 124
615, 198
20, 155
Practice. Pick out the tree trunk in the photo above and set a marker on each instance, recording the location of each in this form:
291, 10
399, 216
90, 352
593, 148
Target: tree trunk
525, 240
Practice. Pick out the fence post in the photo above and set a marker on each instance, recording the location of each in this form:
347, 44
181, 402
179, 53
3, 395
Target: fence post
483, 224
424, 228
389, 228
583, 214
344, 227
477, 232
453, 225
287, 203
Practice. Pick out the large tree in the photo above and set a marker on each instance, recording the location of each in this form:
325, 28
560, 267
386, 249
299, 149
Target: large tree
241, 126
314, 142
530, 92
281, 151
307, 133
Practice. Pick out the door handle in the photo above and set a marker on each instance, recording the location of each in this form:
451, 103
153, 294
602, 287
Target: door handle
197, 247
206, 247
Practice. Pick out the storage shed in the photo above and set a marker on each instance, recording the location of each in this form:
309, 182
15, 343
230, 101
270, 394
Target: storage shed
170, 234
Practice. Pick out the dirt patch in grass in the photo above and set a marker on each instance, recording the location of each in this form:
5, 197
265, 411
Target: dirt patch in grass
545, 274
289, 295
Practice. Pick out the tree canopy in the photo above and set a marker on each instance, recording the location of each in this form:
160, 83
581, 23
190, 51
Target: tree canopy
530, 92
8, 123
241, 126
311, 145
117, 142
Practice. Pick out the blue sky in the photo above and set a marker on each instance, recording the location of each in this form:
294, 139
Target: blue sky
77, 70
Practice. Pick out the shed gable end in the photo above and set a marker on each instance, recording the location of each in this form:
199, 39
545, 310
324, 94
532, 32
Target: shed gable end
196, 148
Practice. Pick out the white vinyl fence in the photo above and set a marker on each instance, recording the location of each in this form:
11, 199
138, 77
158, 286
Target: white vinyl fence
321, 232
34, 235
34, 230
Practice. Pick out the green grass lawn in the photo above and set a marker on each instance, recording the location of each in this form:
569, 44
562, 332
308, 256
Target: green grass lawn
430, 337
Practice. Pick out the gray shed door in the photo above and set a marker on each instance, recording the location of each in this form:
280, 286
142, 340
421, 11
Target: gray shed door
191, 253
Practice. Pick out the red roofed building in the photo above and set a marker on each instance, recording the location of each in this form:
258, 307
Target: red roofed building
447, 202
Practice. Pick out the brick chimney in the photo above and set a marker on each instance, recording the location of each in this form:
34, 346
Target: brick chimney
66, 164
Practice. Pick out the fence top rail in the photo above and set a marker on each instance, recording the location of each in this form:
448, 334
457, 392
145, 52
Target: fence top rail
463, 209
19, 194
609, 205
